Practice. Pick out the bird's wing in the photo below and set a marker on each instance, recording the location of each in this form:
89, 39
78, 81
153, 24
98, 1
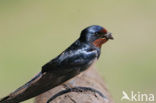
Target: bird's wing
48, 80
70, 59
55, 72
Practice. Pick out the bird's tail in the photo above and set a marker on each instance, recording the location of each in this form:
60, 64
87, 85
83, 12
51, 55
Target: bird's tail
30, 89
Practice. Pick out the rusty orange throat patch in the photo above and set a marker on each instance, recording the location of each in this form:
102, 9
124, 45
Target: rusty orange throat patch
98, 42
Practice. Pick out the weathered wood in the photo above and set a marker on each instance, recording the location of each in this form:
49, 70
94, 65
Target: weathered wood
89, 78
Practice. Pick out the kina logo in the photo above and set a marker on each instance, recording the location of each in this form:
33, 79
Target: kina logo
137, 96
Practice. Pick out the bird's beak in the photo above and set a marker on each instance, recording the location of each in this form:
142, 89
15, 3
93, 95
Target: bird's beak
109, 36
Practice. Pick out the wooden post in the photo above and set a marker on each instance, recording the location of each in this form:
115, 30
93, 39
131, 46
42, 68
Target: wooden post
89, 78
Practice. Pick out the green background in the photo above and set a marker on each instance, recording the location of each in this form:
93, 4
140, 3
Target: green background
34, 31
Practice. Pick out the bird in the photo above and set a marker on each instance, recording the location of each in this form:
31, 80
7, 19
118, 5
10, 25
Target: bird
74, 60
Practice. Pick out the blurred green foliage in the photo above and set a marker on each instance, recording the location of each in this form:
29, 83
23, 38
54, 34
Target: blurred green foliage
34, 31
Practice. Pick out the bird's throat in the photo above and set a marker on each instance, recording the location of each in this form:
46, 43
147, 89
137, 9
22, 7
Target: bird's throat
98, 42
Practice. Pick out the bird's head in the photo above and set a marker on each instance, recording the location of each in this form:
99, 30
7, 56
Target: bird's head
96, 35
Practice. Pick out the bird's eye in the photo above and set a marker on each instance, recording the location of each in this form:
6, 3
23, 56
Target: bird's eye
97, 34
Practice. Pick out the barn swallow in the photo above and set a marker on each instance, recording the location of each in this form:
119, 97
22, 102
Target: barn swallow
75, 59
